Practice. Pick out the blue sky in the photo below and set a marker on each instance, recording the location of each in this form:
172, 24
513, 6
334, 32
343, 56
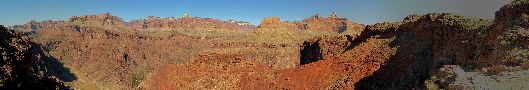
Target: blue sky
360, 11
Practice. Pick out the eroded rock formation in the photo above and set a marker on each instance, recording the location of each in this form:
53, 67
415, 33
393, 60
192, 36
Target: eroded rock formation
21, 65
420, 52
508, 36
426, 43
316, 22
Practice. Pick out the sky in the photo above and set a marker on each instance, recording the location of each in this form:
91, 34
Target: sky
361, 11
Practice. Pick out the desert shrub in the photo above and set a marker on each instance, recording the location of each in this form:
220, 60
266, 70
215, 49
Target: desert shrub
525, 18
136, 80
469, 66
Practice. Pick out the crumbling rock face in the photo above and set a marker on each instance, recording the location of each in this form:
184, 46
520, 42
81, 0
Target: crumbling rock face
398, 55
323, 47
508, 37
21, 67
233, 71
310, 53
116, 58
113, 58
424, 44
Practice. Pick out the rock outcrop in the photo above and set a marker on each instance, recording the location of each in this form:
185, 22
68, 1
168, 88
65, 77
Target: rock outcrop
508, 36
432, 51
426, 43
332, 23
21, 66
316, 22
324, 47
117, 57
276, 23
103, 19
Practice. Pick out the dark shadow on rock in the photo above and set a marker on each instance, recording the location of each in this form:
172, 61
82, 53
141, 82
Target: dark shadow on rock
355, 42
27, 71
310, 52
366, 34
407, 69
342, 29
53, 66
422, 50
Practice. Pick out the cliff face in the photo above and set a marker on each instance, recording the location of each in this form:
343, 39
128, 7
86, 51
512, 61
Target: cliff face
509, 34
102, 19
324, 47
332, 23
424, 44
117, 57
432, 41
419, 52
22, 67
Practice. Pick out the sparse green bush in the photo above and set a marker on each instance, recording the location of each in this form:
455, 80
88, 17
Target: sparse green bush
137, 79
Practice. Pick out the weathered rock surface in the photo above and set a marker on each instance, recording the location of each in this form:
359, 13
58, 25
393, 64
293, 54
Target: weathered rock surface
102, 19
508, 36
316, 22
110, 56
432, 51
424, 44
21, 67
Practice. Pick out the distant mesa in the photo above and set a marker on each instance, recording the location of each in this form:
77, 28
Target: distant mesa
276, 23
188, 22
332, 23
33, 25
316, 22
105, 18
151, 22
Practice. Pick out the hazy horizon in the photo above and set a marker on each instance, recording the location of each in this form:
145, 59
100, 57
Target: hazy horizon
364, 12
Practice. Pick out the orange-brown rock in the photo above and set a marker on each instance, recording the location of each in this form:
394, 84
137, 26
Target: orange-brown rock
332, 23
276, 23
316, 22
424, 44
232, 71
398, 55
102, 19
